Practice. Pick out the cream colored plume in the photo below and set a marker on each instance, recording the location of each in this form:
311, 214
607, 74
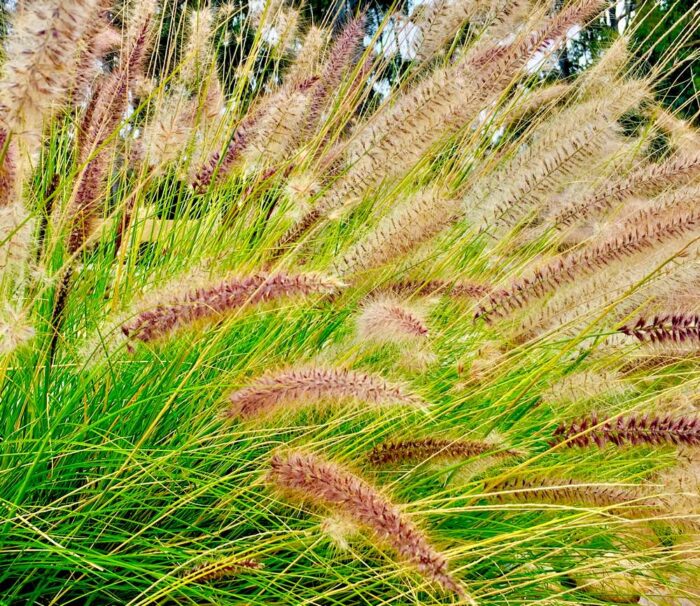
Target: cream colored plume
40, 66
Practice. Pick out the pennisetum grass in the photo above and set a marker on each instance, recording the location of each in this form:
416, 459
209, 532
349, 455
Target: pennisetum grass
313, 384
332, 486
632, 430
255, 203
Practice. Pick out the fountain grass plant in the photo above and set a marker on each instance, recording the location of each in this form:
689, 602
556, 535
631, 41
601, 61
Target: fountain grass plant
186, 245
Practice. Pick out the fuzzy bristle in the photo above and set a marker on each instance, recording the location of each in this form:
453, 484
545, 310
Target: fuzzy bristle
15, 330
41, 63
314, 384
647, 179
330, 485
210, 303
642, 235
215, 571
433, 449
632, 430
459, 289
629, 500
674, 328
388, 320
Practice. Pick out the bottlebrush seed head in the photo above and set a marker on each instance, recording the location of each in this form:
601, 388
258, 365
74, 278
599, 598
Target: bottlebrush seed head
435, 449
329, 485
572, 492
41, 56
388, 320
214, 571
211, 302
673, 328
314, 384
648, 179
15, 330
647, 234
633, 430
342, 56
459, 289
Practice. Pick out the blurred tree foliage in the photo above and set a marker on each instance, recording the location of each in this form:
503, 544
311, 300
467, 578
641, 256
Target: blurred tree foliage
670, 29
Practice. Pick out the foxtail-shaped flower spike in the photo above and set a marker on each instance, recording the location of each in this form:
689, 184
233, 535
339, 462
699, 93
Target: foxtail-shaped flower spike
646, 180
630, 501
388, 320
459, 289
669, 328
209, 303
41, 56
225, 569
646, 233
102, 117
632, 430
313, 384
342, 56
424, 449
329, 485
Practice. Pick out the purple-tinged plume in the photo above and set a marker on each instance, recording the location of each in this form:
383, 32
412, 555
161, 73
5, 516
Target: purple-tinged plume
423, 449
314, 384
329, 485
668, 328
633, 430
210, 303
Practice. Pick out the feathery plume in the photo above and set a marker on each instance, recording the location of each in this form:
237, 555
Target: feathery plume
308, 58
15, 331
101, 40
645, 233
421, 218
167, 134
583, 385
209, 303
682, 134
627, 500
280, 32
538, 100
485, 361
674, 328
388, 320
439, 22
339, 530
459, 289
618, 580
40, 64
423, 449
278, 126
102, 117
556, 148
219, 165
330, 485
606, 73
646, 180
633, 430
342, 56
197, 56
314, 384
225, 569
15, 237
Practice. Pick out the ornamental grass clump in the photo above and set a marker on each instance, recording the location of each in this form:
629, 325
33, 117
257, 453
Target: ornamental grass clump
267, 273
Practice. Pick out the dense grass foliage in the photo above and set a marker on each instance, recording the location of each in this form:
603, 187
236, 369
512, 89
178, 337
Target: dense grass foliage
294, 341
